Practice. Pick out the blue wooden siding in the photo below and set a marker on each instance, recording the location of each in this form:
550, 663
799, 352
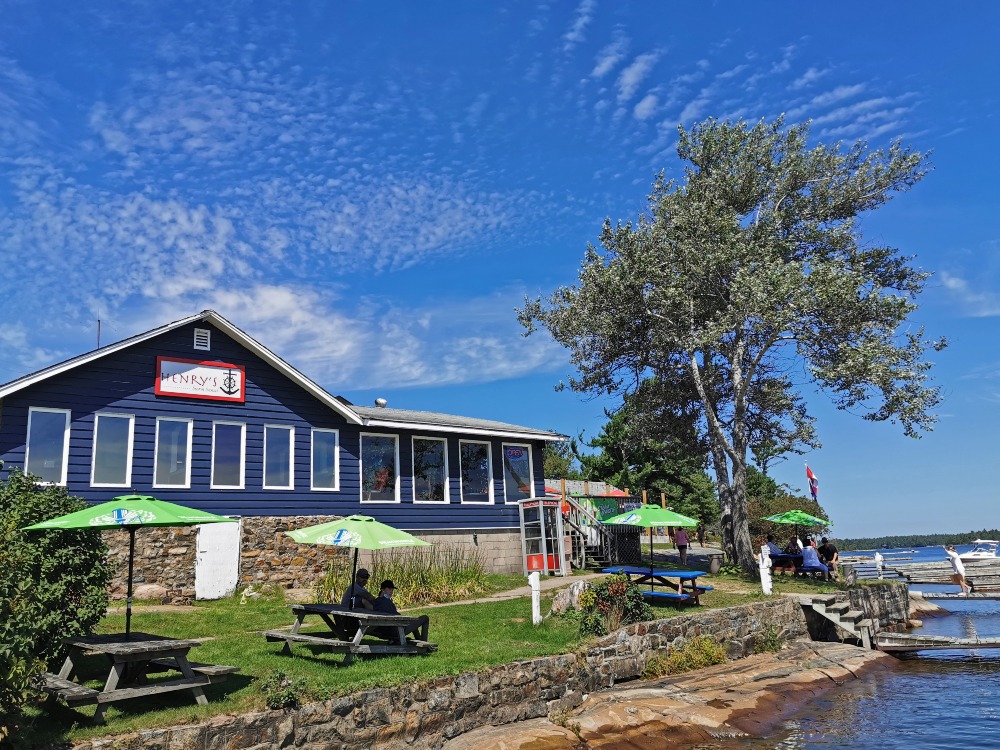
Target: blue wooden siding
123, 382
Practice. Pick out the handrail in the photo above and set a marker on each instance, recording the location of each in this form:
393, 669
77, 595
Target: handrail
588, 528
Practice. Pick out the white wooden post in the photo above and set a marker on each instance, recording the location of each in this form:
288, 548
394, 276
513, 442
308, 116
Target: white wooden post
535, 581
764, 561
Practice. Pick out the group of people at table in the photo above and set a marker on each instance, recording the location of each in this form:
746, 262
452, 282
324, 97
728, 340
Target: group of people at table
357, 596
803, 556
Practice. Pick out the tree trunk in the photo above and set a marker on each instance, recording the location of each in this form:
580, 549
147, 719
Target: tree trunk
725, 500
744, 555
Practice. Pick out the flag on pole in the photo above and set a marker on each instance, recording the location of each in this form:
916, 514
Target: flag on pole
813, 482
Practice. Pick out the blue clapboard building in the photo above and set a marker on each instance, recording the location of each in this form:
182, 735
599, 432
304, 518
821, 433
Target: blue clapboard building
199, 413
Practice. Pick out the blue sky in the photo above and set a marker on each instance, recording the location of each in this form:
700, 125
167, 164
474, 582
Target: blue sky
371, 189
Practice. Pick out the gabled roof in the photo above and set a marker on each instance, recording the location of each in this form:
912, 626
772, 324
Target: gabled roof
207, 316
380, 416
360, 415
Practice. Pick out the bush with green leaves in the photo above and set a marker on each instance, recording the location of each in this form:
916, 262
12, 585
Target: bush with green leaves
281, 691
53, 584
699, 652
611, 603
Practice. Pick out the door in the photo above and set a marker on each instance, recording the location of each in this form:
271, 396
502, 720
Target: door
217, 566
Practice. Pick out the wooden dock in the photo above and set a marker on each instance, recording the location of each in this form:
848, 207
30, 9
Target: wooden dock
903, 642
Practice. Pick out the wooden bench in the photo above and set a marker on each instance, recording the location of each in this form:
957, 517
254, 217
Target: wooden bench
72, 693
214, 672
671, 595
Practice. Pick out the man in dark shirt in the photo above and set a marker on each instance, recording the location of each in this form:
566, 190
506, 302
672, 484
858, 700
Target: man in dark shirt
829, 554
384, 603
362, 596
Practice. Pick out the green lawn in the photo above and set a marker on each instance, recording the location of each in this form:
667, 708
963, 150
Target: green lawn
471, 636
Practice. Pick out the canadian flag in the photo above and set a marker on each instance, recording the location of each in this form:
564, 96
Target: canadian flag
813, 482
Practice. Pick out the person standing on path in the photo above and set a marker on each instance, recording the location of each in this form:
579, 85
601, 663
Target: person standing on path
681, 539
958, 576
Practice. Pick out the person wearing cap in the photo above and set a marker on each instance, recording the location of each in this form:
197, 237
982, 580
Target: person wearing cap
829, 555
384, 603
363, 598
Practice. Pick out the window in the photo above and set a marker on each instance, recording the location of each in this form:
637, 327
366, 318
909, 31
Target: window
112, 460
477, 472
278, 457
173, 452
228, 451
325, 460
518, 479
47, 447
430, 470
379, 473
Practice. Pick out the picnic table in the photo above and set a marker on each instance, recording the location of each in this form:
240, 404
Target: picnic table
132, 660
341, 637
686, 587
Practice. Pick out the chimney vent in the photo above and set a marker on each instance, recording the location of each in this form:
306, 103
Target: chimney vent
380, 403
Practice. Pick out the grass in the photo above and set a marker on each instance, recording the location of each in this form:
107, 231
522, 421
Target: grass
471, 636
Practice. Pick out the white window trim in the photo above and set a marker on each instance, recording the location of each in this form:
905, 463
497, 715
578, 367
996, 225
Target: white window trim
64, 469
531, 470
156, 453
361, 467
413, 471
489, 464
128, 458
336, 461
243, 456
291, 458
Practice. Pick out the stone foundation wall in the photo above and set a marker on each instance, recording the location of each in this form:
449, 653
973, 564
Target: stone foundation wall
428, 714
887, 603
164, 565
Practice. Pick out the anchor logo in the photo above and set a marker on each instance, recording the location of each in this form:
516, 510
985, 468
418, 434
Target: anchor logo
230, 385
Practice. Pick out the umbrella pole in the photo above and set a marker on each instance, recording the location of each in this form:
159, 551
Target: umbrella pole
650, 558
354, 573
128, 595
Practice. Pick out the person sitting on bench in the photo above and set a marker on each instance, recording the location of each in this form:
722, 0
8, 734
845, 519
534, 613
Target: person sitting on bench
811, 563
384, 603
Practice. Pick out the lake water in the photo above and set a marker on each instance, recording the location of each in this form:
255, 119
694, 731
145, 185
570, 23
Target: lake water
936, 699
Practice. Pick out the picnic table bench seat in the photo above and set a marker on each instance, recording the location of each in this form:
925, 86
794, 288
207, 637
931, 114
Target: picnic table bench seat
72, 693
214, 672
660, 594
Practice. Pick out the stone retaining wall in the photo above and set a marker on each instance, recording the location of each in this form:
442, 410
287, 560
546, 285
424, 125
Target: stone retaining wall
165, 557
429, 713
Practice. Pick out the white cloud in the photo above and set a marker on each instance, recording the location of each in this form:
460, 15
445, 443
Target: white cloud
808, 78
633, 75
610, 56
584, 15
977, 304
646, 108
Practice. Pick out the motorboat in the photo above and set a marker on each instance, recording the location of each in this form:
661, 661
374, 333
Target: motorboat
983, 549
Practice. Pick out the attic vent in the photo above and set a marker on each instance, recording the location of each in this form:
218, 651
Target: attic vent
203, 339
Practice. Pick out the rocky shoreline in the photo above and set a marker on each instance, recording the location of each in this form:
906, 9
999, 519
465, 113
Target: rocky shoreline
739, 699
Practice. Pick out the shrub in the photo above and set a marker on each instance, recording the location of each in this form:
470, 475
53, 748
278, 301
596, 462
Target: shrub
611, 603
281, 691
422, 575
701, 651
769, 641
53, 584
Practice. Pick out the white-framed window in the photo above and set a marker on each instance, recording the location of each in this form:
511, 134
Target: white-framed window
518, 478
111, 462
172, 464
228, 455
278, 456
47, 445
430, 470
379, 468
325, 460
477, 471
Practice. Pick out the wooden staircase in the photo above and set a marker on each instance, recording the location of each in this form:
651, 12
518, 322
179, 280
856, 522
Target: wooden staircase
850, 621
592, 544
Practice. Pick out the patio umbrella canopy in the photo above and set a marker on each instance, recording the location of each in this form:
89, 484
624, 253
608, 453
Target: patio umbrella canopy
649, 516
130, 512
798, 518
357, 532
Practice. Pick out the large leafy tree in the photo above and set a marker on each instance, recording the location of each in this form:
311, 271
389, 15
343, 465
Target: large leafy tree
630, 456
746, 281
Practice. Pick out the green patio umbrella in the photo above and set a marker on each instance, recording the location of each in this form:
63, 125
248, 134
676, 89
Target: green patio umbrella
797, 518
650, 516
357, 532
130, 512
